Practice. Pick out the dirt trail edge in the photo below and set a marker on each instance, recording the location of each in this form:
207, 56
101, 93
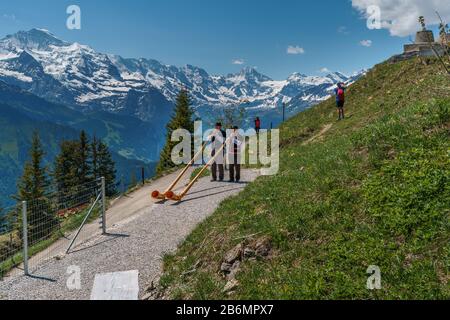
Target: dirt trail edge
140, 233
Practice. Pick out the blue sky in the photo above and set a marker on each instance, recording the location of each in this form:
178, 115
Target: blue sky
212, 34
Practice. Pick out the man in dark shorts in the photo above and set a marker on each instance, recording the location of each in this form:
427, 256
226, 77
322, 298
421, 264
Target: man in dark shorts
340, 100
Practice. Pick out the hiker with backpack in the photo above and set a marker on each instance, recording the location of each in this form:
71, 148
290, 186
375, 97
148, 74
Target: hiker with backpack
340, 99
257, 125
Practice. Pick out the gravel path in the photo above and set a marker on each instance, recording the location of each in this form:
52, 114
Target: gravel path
140, 231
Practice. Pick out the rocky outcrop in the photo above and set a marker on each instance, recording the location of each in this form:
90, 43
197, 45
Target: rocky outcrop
260, 248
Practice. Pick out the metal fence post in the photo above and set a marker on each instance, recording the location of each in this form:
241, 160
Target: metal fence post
25, 237
103, 205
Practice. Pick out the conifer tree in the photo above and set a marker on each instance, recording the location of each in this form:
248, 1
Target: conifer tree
83, 158
33, 188
106, 167
34, 182
89, 161
66, 168
94, 158
182, 119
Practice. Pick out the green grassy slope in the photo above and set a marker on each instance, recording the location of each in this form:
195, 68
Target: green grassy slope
371, 190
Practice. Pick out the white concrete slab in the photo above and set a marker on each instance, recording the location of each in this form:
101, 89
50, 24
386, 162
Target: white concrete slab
116, 286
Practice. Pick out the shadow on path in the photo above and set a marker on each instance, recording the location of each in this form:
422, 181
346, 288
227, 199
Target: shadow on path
110, 237
206, 195
41, 278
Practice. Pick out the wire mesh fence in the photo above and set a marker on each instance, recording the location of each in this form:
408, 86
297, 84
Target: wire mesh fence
11, 241
52, 223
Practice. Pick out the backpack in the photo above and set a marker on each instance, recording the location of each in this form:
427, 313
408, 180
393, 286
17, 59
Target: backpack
341, 94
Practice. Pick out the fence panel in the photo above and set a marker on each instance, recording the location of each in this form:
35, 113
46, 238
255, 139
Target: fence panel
52, 223
53, 220
11, 244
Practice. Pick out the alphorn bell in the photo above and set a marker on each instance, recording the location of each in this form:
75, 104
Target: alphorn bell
172, 196
162, 196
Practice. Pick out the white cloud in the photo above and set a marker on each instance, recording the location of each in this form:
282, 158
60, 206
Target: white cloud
10, 16
400, 17
324, 70
366, 43
238, 61
295, 50
343, 30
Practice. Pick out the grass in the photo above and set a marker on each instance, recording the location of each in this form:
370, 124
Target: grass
372, 190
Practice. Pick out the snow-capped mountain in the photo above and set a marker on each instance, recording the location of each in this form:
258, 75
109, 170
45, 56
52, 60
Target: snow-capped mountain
248, 87
75, 75
80, 77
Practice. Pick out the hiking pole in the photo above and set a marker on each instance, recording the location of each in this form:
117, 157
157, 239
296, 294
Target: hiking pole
172, 196
162, 196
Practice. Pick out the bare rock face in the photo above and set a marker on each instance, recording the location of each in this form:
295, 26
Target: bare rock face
232, 262
233, 259
234, 254
230, 286
263, 246
235, 268
226, 267
154, 291
249, 253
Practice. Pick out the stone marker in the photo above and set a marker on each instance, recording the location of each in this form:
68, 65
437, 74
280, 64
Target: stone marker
116, 286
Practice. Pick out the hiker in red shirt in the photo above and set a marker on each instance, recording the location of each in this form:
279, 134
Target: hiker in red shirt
340, 99
257, 125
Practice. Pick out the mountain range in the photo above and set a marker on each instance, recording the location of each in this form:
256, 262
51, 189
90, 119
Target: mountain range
78, 76
61, 87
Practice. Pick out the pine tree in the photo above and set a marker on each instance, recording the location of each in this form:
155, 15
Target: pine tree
94, 158
83, 159
33, 188
106, 167
73, 165
182, 119
34, 182
66, 169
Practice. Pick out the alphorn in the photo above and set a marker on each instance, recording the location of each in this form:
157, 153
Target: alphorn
163, 195
174, 197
